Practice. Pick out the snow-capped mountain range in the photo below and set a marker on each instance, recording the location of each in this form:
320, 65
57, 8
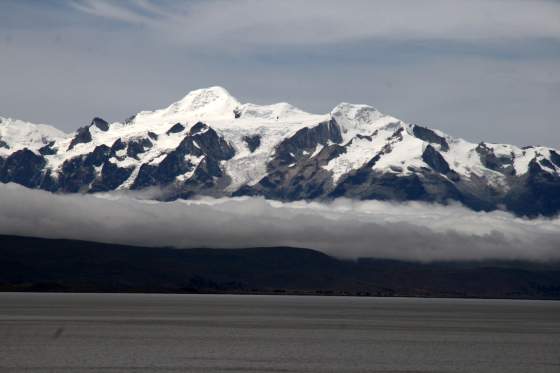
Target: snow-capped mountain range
208, 143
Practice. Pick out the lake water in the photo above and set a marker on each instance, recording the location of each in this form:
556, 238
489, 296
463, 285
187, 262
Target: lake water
233, 333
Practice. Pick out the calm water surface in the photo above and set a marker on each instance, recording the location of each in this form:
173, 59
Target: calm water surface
223, 333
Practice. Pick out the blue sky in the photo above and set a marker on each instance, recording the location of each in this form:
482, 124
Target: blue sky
479, 69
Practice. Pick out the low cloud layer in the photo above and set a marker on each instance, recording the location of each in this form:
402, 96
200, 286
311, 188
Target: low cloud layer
343, 228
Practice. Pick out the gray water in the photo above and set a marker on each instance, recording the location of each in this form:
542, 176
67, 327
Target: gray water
232, 333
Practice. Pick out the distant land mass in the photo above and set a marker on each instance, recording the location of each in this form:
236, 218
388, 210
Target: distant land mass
210, 144
49, 265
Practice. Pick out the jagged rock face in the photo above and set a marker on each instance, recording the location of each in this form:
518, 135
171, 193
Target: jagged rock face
367, 184
79, 172
177, 127
295, 172
138, 146
83, 136
421, 185
23, 167
253, 142
435, 160
111, 177
430, 136
503, 164
210, 144
199, 153
48, 149
100, 123
555, 158
152, 135
305, 141
535, 193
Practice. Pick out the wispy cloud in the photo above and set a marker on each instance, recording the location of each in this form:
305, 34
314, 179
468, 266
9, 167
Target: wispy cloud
113, 10
343, 228
253, 22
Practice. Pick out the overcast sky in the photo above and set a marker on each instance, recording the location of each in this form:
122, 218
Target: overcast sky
479, 69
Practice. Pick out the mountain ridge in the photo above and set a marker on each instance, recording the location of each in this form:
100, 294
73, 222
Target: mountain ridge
208, 143
56, 265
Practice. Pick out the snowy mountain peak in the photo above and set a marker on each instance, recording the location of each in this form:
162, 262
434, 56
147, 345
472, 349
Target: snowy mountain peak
17, 134
279, 111
208, 143
354, 116
215, 101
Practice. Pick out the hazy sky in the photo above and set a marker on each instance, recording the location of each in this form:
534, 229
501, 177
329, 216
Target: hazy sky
479, 69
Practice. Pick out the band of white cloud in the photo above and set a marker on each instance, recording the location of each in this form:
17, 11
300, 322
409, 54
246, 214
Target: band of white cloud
342, 228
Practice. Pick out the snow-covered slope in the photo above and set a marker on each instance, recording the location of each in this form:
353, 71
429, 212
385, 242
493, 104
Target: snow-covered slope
17, 134
210, 143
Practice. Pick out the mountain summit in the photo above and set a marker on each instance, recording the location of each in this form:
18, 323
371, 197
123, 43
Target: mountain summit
213, 101
208, 143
